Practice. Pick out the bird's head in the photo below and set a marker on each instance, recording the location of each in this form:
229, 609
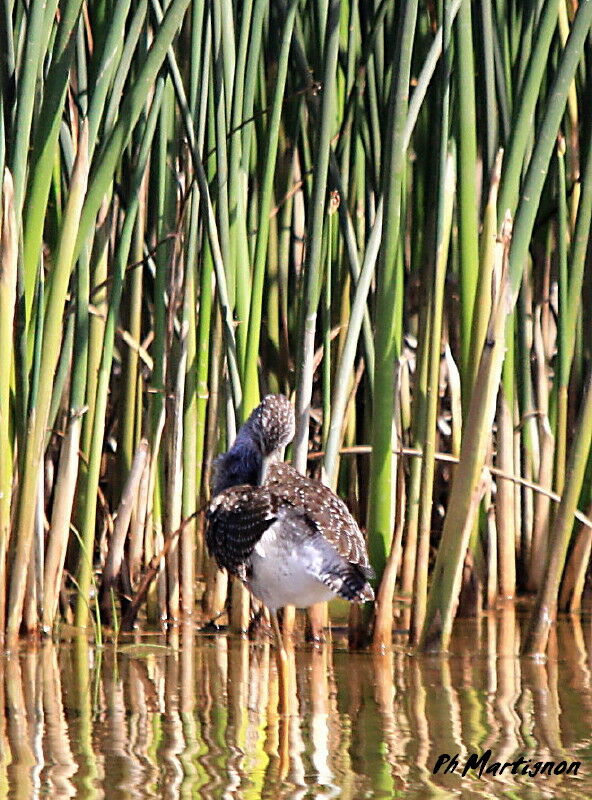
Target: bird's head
271, 425
260, 442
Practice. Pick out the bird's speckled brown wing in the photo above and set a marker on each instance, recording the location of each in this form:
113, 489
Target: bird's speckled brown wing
324, 511
236, 520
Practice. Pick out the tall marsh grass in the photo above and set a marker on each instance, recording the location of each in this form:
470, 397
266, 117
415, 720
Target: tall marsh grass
381, 209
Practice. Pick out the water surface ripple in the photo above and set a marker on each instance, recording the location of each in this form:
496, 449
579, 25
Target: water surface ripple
189, 715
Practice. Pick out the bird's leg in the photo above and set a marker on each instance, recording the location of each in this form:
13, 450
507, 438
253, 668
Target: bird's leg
283, 666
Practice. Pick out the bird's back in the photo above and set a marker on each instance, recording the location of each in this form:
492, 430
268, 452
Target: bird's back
291, 525
326, 512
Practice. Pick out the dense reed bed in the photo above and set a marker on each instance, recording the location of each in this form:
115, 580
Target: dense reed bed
381, 209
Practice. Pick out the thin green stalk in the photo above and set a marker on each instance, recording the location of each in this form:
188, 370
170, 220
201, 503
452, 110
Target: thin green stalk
433, 344
135, 31
259, 11
577, 256
346, 361
219, 57
446, 188
133, 320
418, 435
312, 275
109, 60
209, 218
26, 103
236, 207
69, 456
492, 133
380, 506
545, 141
165, 202
251, 383
228, 51
373, 120
468, 225
524, 116
563, 355
129, 113
42, 158
326, 379
190, 489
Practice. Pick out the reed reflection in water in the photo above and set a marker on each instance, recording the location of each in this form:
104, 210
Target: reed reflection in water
196, 716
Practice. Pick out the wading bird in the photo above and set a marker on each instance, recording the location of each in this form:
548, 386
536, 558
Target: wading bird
288, 538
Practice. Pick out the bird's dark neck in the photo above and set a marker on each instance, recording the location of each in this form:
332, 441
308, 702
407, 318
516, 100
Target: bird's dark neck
240, 465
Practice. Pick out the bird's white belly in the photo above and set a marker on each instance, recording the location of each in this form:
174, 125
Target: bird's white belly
281, 574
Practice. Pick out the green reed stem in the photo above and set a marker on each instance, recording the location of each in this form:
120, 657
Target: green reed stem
563, 355
84, 576
380, 508
251, 386
313, 268
468, 224
545, 141
37, 419
524, 116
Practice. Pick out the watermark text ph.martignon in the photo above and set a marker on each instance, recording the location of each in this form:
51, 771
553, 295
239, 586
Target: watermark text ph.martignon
484, 765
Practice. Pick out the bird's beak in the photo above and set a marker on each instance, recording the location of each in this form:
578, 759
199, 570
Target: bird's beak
267, 461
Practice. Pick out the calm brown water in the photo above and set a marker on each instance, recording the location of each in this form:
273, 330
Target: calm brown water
195, 716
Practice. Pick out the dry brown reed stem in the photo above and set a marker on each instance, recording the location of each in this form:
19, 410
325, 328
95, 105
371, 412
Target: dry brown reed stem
574, 576
112, 571
59, 530
174, 485
504, 505
541, 505
383, 606
154, 566
545, 609
137, 526
29, 622
491, 584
